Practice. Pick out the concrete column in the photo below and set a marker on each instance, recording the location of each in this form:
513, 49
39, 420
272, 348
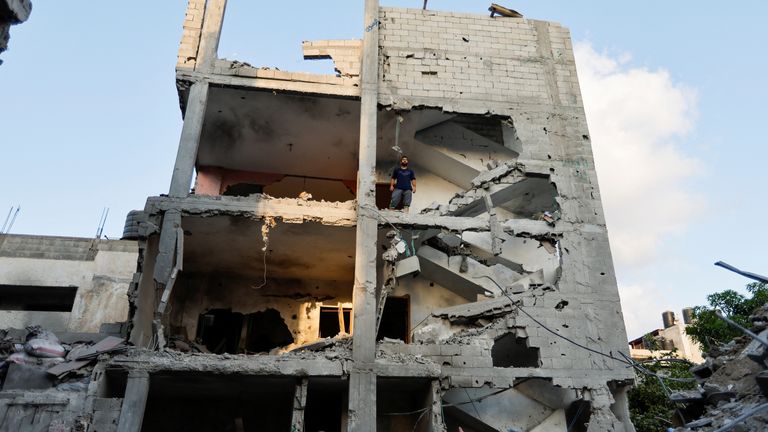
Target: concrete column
362, 380
438, 425
136, 392
299, 405
189, 141
210, 35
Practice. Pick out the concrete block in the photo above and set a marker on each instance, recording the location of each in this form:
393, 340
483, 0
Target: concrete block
407, 266
450, 350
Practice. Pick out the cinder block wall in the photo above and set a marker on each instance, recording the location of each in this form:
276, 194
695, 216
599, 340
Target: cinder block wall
475, 60
523, 69
190, 38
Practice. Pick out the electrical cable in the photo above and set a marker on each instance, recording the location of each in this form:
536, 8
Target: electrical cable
479, 417
264, 283
627, 361
576, 417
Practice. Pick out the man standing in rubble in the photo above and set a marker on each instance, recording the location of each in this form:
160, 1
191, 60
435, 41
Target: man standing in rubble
402, 185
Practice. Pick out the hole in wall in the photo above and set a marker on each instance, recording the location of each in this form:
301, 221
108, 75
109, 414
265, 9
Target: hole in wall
577, 416
513, 351
219, 330
267, 330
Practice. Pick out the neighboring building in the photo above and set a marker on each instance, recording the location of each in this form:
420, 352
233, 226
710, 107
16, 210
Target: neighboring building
64, 284
11, 12
280, 293
663, 342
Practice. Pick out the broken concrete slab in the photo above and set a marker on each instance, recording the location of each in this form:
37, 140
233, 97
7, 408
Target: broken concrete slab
407, 266
26, 377
756, 350
485, 308
686, 396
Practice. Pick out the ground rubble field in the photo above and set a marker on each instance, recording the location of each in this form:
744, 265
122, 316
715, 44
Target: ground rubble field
733, 384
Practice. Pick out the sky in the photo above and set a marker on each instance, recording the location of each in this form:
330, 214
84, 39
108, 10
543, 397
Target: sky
673, 91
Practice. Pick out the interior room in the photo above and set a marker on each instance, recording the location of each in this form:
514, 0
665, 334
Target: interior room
242, 294
278, 143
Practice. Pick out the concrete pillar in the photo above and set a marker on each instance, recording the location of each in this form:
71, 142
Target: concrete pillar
362, 380
299, 406
189, 141
438, 425
136, 392
362, 400
211, 34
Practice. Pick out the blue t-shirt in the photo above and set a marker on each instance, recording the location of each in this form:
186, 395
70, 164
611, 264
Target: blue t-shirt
403, 178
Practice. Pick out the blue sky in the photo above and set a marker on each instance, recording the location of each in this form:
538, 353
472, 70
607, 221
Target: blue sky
90, 119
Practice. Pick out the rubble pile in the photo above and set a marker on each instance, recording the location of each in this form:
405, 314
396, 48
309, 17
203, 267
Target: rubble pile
36, 359
733, 384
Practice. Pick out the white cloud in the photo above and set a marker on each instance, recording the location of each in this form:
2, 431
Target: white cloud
642, 305
636, 118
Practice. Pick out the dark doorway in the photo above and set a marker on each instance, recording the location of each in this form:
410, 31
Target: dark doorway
577, 416
384, 196
219, 330
331, 321
395, 319
400, 404
326, 405
267, 330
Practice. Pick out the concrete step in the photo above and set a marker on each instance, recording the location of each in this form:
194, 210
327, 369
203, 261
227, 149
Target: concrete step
456, 153
479, 279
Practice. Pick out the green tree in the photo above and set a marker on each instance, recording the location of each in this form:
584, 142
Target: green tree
709, 330
649, 406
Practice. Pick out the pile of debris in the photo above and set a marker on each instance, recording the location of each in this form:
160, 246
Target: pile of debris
36, 359
733, 383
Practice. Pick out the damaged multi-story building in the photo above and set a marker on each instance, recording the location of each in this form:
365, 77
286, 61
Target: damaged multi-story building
275, 290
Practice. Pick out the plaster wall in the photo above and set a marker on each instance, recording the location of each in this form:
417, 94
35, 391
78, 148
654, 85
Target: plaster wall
425, 296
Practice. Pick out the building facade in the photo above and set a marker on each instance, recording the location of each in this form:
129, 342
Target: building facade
277, 291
